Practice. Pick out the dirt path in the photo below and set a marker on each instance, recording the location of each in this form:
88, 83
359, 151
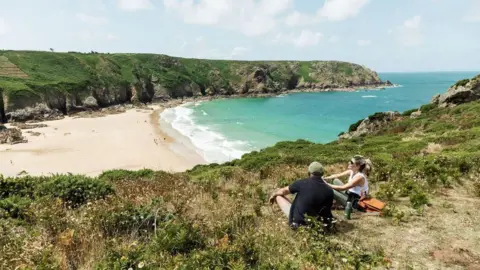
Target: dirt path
445, 235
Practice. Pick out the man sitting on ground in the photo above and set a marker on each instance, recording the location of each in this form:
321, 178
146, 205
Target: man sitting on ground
313, 197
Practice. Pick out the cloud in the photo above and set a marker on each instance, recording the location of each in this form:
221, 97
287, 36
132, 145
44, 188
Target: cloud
250, 17
334, 39
410, 33
236, 52
199, 39
111, 37
297, 18
363, 42
473, 14
133, 5
307, 38
413, 22
3, 26
339, 10
332, 10
91, 19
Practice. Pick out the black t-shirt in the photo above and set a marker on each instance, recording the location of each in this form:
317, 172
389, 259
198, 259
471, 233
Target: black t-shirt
313, 197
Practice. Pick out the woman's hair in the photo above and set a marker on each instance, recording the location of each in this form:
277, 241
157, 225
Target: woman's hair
361, 162
368, 166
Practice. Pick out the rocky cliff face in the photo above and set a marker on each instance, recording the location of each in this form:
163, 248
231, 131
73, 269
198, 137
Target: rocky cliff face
53, 84
464, 91
370, 125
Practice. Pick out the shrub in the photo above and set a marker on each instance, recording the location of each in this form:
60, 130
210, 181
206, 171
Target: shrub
15, 207
409, 112
76, 190
177, 237
418, 198
23, 186
462, 82
428, 107
117, 175
128, 219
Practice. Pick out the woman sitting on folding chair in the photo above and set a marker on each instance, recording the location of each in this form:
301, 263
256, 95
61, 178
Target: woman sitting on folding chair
357, 186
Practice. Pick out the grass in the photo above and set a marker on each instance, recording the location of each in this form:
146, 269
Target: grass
217, 217
77, 75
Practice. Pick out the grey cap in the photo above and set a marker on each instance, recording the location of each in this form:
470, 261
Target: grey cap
315, 168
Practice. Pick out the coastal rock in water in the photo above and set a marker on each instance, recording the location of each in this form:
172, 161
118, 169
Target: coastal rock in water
41, 112
370, 125
462, 92
11, 135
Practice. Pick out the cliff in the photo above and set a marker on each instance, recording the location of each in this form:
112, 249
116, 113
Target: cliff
61, 83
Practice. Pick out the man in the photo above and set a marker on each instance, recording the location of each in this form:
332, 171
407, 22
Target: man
313, 197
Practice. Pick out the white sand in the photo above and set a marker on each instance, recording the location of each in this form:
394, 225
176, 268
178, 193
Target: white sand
131, 140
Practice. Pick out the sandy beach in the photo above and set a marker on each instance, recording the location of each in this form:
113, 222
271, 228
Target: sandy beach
132, 140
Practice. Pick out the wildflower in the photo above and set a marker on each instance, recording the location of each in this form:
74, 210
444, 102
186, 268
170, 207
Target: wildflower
141, 265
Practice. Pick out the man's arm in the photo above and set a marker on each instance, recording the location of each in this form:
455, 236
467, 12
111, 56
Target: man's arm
280, 192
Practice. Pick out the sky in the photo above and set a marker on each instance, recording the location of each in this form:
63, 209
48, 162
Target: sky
385, 35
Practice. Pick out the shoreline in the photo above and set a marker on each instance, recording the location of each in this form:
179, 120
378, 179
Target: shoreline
131, 140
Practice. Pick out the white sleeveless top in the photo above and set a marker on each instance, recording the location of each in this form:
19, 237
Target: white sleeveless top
358, 189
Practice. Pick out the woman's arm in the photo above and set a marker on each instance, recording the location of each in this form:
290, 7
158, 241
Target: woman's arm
345, 173
356, 181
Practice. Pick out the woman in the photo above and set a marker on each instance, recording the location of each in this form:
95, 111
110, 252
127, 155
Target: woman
357, 186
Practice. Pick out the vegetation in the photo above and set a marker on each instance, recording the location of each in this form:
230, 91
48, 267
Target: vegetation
217, 216
62, 79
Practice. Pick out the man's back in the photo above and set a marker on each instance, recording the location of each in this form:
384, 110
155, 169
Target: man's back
313, 198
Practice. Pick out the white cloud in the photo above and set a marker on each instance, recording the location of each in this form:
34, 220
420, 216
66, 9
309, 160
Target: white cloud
334, 39
236, 52
307, 38
133, 5
363, 42
3, 26
338, 10
250, 17
91, 19
413, 22
473, 14
296, 18
410, 33
111, 37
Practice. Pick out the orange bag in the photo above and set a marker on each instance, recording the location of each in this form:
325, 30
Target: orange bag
371, 204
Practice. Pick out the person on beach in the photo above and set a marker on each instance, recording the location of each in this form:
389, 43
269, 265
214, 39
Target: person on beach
314, 197
357, 186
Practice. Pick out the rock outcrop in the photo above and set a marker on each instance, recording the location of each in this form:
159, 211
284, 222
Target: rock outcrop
370, 125
11, 135
462, 92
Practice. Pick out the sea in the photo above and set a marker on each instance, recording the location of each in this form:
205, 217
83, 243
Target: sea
225, 129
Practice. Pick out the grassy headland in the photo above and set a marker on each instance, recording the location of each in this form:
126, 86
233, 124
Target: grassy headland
217, 216
71, 81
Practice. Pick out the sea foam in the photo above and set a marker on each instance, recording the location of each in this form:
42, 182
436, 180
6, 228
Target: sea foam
211, 145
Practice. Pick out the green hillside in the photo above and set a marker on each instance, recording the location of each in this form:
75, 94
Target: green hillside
65, 80
217, 216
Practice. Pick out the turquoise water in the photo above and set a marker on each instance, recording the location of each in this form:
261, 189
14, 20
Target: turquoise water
225, 129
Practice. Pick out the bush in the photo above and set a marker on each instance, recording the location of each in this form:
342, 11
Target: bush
418, 198
117, 175
129, 219
462, 82
177, 237
76, 190
23, 186
15, 207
